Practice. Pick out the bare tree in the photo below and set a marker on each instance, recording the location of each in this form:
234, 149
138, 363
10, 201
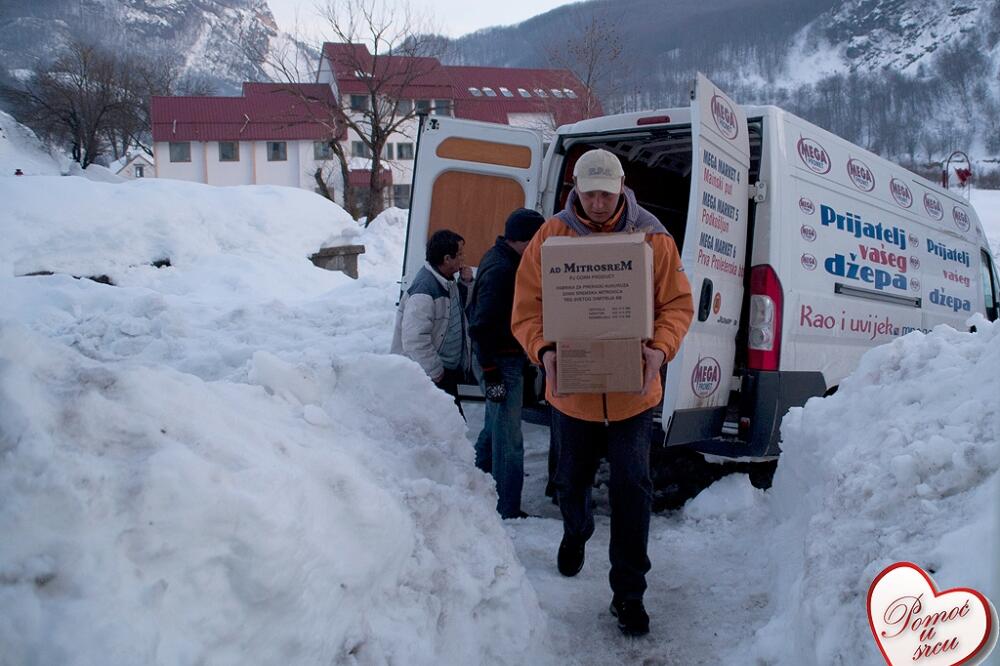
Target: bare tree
594, 53
398, 52
74, 100
384, 49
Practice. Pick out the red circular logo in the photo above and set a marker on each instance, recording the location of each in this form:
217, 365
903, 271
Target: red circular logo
813, 155
706, 377
725, 117
901, 193
861, 175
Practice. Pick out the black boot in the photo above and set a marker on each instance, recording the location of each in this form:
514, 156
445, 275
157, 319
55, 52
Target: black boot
632, 617
570, 558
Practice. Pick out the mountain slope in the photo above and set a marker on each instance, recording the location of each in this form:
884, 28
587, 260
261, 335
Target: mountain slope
206, 38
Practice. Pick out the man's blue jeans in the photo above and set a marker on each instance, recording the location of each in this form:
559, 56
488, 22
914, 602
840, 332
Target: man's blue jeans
500, 447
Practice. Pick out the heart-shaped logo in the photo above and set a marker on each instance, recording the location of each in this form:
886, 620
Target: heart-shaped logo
913, 623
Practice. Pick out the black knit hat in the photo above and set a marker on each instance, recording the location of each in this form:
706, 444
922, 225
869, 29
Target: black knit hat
522, 224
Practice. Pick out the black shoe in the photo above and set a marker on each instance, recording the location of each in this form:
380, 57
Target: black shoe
518, 516
570, 558
632, 617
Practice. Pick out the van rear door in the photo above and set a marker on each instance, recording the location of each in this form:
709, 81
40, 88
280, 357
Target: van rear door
468, 177
713, 256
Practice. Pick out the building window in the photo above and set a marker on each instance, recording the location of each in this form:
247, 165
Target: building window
569, 93
405, 107
475, 92
539, 92
229, 151
359, 102
556, 92
180, 151
423, 106
322, 150
387, 152
506, 92
401, 196
277, 151
523, 93
360, 149
489, 92
139, 171
404, 151
442, 107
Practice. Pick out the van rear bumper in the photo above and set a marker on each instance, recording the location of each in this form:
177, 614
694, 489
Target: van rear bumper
764, 398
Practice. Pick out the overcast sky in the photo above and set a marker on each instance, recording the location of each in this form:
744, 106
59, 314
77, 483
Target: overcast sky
451, 17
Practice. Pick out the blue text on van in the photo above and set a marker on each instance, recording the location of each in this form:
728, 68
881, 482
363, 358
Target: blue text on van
853, 224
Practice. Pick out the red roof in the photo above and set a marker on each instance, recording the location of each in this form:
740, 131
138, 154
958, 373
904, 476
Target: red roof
351, 62
402, 76
266, 111
519, 90
362, 178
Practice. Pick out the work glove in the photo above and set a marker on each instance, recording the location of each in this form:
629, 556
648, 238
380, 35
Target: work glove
496, 390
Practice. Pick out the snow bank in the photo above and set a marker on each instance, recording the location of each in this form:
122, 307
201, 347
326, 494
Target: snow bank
216, 461
21, 149
902, 463
71, 225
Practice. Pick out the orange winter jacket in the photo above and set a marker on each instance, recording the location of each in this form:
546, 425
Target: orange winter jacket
673, 310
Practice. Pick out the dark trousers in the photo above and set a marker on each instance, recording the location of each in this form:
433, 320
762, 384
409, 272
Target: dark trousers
449, 384
579, 447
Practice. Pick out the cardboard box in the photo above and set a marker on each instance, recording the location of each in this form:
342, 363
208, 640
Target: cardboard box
597, 287
599, 366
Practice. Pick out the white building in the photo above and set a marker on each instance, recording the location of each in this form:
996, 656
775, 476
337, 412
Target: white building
278, 133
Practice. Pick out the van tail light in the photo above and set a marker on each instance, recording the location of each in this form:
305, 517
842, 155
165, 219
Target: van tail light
766, 300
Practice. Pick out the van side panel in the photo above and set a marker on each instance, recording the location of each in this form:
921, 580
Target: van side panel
868, 252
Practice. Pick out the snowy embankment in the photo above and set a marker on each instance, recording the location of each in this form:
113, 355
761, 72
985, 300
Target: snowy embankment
902, 463
215, 461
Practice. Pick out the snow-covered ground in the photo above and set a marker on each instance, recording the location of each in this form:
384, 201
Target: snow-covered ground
216, 461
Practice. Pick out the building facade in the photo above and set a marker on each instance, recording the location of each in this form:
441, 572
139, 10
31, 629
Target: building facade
280, 134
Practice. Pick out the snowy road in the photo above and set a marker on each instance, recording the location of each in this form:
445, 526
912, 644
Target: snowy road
707, 592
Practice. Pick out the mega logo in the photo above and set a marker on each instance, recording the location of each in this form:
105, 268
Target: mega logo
961, 218
725, 117
808, 233
901, 193
933, 206
806, 206
813, 155
861, 175
706, 377
809, 262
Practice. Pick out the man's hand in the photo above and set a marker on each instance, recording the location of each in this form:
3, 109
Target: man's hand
465, 274
496, 390
549, 363
653, 360
437, 380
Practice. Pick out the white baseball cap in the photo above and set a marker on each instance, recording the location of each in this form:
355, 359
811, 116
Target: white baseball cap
598, 170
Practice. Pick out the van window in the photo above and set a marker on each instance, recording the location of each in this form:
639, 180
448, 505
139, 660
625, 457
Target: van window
991, 289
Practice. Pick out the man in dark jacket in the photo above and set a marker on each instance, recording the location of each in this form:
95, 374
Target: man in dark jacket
500, 361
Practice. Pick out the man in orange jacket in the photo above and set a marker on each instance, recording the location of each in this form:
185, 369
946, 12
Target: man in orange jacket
587, 425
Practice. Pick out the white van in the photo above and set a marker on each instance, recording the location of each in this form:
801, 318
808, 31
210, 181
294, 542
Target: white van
803, 250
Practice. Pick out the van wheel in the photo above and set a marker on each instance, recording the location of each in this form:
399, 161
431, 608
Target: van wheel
762, 473
679, 474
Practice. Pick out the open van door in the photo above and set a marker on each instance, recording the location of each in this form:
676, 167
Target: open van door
715, 242
468, 177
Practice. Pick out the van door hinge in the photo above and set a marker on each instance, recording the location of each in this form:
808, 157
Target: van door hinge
758, 191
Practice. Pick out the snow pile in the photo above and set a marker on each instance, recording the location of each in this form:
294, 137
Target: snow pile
71, 225
215, 461
902, 463
21, 149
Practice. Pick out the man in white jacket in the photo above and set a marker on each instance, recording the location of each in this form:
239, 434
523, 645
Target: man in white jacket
431, 326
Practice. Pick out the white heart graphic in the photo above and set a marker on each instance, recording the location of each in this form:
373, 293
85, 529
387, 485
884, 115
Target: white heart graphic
913, 623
